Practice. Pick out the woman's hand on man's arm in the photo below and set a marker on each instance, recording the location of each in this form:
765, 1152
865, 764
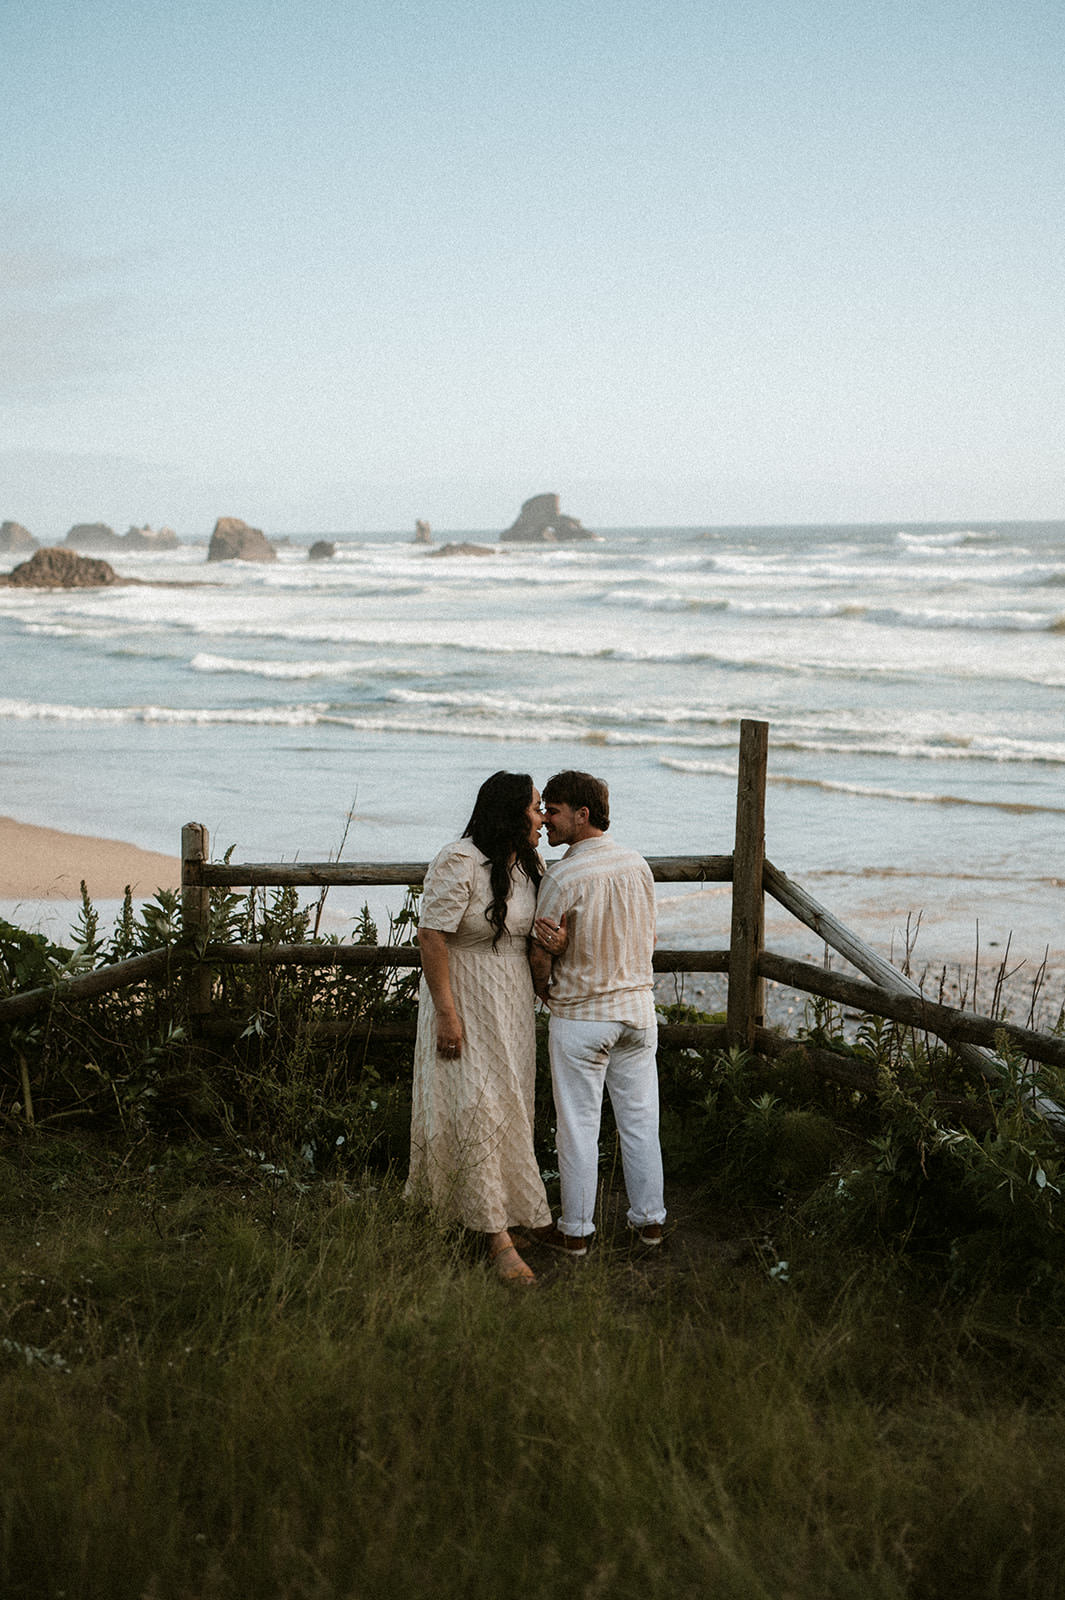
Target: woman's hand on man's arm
551, 935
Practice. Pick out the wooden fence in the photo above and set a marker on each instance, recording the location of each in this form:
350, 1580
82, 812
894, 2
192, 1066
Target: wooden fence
881, 990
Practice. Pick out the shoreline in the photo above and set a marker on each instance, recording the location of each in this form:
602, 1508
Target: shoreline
39, 863
41, 870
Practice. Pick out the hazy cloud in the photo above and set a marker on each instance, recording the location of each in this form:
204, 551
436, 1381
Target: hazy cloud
63, 318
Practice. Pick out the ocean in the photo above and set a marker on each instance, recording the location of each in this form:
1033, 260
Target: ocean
911, 676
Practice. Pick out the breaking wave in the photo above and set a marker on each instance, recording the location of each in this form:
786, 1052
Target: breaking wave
864, 790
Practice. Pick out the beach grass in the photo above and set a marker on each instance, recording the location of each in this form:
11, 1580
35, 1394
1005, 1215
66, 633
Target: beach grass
219, 1383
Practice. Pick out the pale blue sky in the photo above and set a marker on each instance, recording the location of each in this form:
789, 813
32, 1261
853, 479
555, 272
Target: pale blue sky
339, 265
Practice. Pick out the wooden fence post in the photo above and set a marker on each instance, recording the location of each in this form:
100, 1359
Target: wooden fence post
196, 914
746, 989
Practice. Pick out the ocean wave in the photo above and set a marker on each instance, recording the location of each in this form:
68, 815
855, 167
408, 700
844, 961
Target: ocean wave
504, 718
921, 617
290, 670
862, 790
828, 609
948, 539
479, 722
790, 733
431, 635
935, 748
916, 618
268, 716
671, 601
517, 705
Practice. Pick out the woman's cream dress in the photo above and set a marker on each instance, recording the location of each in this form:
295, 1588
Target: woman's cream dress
471, 1150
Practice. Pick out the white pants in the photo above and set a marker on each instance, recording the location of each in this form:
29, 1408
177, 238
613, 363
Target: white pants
585, 1058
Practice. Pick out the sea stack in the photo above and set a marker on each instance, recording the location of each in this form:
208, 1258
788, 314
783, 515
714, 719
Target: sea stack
92, 536
541, 522
54, 567
15, 539
98, 536
234, 540
463, 549
148, 538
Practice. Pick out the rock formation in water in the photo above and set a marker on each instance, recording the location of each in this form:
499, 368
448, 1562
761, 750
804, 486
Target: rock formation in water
423, 534
322, 550
541, 522
233, 540
98, 536
147, 538
53, 567
463, 549
15, 539
92, 536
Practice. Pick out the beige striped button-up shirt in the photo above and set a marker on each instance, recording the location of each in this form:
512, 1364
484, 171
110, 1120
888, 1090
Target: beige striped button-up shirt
607, 893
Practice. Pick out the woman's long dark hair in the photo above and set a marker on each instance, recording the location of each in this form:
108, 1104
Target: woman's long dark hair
499, 827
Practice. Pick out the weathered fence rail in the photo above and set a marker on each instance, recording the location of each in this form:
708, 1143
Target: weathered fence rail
102, 980
402, 874
408, 955
955, 1027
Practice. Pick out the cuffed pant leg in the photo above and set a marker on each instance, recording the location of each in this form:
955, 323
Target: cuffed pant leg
579, 1052
632, 1083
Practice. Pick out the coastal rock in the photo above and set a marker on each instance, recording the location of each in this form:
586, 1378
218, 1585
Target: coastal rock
463, 549
92, 536
233, 540
541, 522
322, 550
423, 534
148, 539
98, 536
14, 539
53, 567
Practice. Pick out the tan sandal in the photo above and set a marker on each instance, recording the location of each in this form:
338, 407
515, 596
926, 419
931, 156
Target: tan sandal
513, 1271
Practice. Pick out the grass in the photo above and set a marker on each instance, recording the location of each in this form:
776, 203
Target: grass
217, 1385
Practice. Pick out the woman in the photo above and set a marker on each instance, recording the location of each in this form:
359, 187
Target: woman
475, 1060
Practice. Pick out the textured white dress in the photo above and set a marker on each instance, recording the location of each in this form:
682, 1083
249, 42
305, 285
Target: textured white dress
471, 1153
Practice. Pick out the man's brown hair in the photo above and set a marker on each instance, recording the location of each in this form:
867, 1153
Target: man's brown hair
577, 789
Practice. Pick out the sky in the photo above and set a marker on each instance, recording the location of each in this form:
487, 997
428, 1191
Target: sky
335, 265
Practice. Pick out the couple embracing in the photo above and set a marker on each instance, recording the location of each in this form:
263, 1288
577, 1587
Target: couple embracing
496, 929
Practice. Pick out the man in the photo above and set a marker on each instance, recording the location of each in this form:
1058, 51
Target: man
591, 962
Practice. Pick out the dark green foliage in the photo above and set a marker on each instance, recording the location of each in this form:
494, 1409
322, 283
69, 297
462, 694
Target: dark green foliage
926, 1162
29, 960
130, 1059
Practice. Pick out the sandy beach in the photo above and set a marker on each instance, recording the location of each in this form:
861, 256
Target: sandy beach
44, 864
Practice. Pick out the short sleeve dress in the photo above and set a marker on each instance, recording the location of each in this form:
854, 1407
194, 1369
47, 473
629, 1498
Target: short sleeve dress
471, 1153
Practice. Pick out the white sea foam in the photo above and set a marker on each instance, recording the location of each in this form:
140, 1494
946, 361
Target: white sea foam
866, 790
266, 716
940, 541
855, 736
295, 670
468, 714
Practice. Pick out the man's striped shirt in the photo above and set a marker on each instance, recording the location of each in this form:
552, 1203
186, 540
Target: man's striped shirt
608, 895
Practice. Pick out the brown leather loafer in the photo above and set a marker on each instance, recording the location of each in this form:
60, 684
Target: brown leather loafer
569, 1244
